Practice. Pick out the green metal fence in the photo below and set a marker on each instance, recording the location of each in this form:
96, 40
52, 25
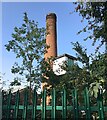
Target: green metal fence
63, 105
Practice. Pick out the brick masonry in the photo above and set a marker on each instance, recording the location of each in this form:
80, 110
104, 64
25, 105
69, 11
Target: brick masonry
51, 37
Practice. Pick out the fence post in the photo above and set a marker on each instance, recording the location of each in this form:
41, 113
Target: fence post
53, 113
87, 104
100, 106
34, 105
43, 105
25, 104
0, 103
16, 105
8, 105
64, 107
75, 104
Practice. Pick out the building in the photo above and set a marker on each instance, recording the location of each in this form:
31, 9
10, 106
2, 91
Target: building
51, 35
51, 41
61, 61
58, 61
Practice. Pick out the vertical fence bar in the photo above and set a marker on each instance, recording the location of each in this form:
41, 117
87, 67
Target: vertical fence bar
64, 105
44, 105
87, 104
8, 105
75, 104
53, 112
34, 105
100, 107
16, 105
0, 103
25, 104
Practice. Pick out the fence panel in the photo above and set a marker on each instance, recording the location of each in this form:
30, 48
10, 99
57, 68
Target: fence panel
12, 107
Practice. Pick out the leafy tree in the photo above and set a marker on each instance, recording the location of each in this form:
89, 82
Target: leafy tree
28, 43
95, 13
77, 76
91, 74
96, 16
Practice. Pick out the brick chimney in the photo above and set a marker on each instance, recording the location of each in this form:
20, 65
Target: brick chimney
51, 41
51, 37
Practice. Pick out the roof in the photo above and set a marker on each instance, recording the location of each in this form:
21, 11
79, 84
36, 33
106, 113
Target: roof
66, 55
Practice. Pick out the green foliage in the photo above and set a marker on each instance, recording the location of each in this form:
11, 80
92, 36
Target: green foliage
91, 74
16, 82
28, 43
94, 66
95, 13
81, 53
48, 74
99, 66
94, 89
2, 81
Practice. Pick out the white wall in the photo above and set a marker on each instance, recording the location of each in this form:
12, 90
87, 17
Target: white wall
57, 65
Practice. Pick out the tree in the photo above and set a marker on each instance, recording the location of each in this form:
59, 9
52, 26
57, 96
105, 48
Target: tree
28, 43
93, 70
95, 13
91, 73
98, 74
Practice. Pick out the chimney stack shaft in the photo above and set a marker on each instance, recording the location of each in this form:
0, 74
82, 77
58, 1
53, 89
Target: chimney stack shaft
51, 37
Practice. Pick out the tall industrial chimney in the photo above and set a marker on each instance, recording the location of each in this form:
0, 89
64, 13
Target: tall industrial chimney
51, 37
51, 41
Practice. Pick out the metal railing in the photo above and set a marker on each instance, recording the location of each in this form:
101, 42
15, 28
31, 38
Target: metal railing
62, 106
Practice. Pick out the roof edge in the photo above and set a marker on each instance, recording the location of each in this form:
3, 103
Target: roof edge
66, 55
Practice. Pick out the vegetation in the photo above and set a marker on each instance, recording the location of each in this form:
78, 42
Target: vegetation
28, 43
16, 82
91, 74
93, 71
95, 13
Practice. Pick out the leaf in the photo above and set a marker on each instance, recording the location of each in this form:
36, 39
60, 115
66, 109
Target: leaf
16, 29
24, 25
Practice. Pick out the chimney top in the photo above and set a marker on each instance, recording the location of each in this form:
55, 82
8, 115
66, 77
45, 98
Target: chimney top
51, 15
